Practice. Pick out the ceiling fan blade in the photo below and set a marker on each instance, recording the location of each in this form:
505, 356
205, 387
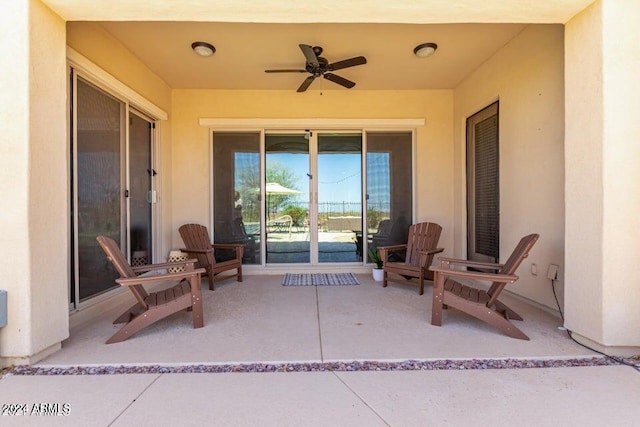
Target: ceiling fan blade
339, 80
305, 84
312, 59
352, 62
285, 71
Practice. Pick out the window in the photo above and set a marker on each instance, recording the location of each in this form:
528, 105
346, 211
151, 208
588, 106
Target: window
483, 192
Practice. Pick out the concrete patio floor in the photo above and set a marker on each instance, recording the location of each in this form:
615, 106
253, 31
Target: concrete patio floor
260, 321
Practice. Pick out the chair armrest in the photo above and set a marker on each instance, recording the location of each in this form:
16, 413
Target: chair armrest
432, 251
477, 275
142, 280
468, 263
239, 248
163, 265
196, 251
392, 247
226, 245
385, 250
424, 255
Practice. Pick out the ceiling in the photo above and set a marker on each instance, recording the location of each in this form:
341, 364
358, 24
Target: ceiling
253, 36
245, 50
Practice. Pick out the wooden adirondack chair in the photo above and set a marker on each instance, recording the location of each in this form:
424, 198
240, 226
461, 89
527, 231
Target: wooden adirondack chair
196, 238
419, 251
151, 307
484, 305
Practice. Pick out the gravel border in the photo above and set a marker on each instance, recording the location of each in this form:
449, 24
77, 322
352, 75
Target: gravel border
347, 366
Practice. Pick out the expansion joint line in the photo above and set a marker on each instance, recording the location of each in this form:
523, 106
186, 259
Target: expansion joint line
364, 402
319, 326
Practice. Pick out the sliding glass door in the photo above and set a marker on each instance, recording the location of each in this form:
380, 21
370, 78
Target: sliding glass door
112, 187
339, 197
302, 197
99, 207
389, 188
313, 195
141, 193
236, 193
287, 205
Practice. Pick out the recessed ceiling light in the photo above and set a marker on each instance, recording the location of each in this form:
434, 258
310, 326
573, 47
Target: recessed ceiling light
425, 49
203, 48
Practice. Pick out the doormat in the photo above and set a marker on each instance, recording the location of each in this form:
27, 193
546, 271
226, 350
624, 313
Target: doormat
320, 279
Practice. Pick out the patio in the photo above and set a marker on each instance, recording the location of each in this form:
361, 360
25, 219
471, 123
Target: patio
259, 320
294, 247
259, 325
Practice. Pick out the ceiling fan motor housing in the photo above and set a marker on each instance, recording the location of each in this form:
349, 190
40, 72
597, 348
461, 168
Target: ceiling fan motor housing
320, 69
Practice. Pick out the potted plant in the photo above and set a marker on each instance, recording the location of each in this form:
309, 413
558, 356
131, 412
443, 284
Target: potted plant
378, 272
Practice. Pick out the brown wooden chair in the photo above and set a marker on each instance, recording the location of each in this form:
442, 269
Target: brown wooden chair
419, 251
240, 236
151, 307
196, 238
484, 305
235, 233
382, 236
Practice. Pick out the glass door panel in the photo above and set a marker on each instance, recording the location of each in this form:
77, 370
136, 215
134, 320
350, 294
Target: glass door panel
140, 187
287, 181
236, 193
98, 209
389, 188
339, 197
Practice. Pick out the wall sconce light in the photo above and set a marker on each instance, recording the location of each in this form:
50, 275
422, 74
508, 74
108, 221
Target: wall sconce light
203, 48
425, 49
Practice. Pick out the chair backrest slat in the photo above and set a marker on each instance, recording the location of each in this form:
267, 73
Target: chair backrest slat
118, 260
116, 256
518, 255
423, 236
196, 236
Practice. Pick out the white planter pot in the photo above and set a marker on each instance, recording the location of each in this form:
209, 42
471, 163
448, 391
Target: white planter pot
378, 274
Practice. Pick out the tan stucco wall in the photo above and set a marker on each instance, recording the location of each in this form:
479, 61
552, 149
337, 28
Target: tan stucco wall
526, 76
191, 151
621, 172
33, 168
602, 204
94, 42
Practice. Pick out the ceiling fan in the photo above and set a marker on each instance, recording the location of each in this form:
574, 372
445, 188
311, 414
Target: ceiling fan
320, 67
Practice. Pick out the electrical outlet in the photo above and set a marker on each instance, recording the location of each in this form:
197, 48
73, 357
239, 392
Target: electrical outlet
552, 272
534, 269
